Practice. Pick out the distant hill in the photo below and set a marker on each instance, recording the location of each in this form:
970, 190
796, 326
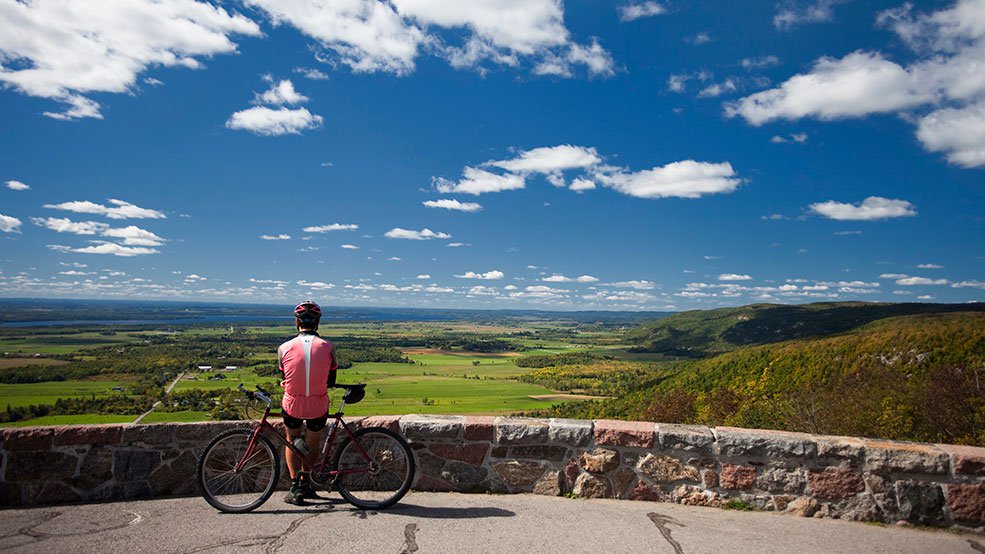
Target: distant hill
703, 333
915, 377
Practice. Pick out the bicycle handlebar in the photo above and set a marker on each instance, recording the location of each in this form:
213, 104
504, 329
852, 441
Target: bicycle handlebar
262, 395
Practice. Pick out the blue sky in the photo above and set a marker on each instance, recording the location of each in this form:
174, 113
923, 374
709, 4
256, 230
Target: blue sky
493, 154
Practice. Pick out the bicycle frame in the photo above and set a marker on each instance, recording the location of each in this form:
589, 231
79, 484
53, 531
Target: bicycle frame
318, 467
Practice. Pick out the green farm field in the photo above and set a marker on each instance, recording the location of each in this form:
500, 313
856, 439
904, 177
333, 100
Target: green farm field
24, 394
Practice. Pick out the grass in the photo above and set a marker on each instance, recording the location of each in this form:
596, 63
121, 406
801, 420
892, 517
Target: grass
738, 505
21, 362
172, 417
25, 394
87, 419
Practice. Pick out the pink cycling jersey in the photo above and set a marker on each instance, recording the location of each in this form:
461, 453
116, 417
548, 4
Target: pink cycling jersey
306, 361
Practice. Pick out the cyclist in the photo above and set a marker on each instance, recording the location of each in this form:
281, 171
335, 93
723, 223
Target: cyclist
308, 365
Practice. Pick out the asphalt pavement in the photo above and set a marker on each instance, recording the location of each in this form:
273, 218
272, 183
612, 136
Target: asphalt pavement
453, 523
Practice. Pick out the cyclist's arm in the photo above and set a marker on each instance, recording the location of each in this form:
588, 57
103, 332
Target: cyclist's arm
333, 370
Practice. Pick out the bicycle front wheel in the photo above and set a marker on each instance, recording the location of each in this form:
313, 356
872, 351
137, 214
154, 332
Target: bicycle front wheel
229, 490
376, 468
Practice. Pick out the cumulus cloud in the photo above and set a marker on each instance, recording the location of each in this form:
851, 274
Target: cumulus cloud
281, 236
119, 209
16, 185
637, 10
718, 89
479, 181
910, 281
371, 36
266, 121
423, 276
109, 248
350, 247
969, 284
130, 235
9, 224
489, 275
562, 279
579, 185
734, 277
947, 76
311, 73
756, 63
684, 179
793, 13
281, 93
331, 227
423, 234
872, 208
316, 285
930, 266
449, 204
66, 50
134, 236
635, 284
550, 159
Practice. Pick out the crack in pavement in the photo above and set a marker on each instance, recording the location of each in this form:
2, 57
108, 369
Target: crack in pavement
30, 531
410, 539
661, 521
273, 542
976, 546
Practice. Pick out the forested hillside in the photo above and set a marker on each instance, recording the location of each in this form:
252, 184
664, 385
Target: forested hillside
703, 333
917, 377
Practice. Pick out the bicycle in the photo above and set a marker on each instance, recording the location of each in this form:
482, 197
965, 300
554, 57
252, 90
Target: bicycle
239, 468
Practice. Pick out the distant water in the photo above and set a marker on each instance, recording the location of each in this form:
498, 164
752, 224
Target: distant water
169, 321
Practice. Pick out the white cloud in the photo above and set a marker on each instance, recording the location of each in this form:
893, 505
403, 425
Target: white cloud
331, 227
550, 159
733, 277
9, 224
17, 185
872, 208
925, 297
579, 185
349, 247
64, 50
489, 275
107, 248
910, 281
423, 276
153, 82
311, 73
764, 61
479, 181
684, 179
450, 204
281, 93
958, 132
635, 284
718, 89
846, 233
794, 13
457, 244
930, 266
637, 10
134, 236
265, 121
423, 234
119, 210
700, 38
65, 225
893, 276
281, 236
562, 279
318, 285
969, 284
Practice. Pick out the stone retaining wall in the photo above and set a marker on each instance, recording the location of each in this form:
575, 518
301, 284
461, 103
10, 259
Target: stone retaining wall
807, 475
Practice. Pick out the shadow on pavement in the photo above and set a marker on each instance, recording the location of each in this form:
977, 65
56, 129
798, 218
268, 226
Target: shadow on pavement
447, 513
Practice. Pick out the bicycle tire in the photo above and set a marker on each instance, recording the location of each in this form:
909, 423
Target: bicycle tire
243, 491
391, 474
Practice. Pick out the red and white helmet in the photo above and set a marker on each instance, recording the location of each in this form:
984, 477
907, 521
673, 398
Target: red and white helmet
307, 312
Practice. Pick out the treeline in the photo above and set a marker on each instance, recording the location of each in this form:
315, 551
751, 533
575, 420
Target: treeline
912, 378
603, 378
114, 404
567, 358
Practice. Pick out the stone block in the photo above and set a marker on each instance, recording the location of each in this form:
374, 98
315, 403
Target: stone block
431, 484
735, 477
630, 434
592, 486
133, 464
622, 481
803, 507
429, 464
774, 445
600, 460
391, 422
500, 452
690, 438
88, 434
835, 483
905, 457
573, 432
154, 434
10, 494
840, 451
42, 493
571, 472
965, 460
521, 430
548, 452
645, 492
473, 454
431, 427
462, 476
96, 469
136, 489
201, 433
861, 507
666, 469
173, 478
549, 484
709, 478
781, 481
40, 466
694, 496
967, 502
27, 439
920, 502
479, 428
518, 474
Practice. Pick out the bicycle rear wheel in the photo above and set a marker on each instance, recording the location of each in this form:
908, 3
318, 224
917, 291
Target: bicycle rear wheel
378, 474
229, 490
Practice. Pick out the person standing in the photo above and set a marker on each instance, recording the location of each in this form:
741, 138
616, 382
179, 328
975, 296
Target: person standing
308, 365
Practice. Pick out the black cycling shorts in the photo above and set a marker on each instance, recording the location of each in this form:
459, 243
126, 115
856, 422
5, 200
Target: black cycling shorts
313, 424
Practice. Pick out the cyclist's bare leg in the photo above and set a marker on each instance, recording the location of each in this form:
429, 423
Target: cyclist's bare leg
292, 459
313, 440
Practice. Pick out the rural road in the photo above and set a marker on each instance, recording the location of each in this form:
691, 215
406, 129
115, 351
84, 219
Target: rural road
156, 404
452, 523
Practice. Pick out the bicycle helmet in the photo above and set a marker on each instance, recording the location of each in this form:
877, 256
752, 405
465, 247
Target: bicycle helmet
308, 312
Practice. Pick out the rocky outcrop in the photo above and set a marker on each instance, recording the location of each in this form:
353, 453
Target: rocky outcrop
793, 473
